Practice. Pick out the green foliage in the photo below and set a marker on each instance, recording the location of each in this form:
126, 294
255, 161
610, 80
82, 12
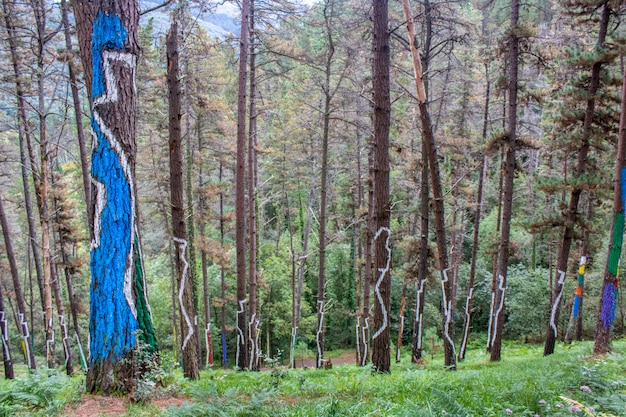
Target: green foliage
41, 393
524, 384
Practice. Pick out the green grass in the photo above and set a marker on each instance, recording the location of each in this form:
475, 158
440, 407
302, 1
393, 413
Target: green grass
524, 383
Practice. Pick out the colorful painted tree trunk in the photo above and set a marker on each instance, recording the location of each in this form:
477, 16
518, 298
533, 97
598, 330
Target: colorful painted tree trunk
119, 310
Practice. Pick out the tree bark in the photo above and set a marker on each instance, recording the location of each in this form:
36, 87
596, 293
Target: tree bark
509, 176
381, 340
189, 336
240, 189
422, 268
80, 131
120, 315
253, 329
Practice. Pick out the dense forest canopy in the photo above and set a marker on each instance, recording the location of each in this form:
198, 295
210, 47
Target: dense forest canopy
309, 178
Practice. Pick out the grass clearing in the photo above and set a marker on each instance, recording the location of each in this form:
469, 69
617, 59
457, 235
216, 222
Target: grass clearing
524, 383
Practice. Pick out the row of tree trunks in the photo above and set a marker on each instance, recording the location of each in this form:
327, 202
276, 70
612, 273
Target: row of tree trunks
580, 171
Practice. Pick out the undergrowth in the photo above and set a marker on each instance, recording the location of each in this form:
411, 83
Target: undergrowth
568, 383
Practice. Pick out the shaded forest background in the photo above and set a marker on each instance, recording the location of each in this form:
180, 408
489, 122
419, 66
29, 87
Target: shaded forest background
307, 56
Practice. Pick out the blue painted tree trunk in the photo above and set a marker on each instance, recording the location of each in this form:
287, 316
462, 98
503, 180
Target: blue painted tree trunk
119, 311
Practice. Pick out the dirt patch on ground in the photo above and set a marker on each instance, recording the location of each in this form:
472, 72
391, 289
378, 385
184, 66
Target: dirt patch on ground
97, 406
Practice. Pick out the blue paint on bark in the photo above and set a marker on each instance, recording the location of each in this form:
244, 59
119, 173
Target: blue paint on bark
112, 323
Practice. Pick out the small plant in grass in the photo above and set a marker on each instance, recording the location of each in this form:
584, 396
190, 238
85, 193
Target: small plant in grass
273, 361
303, 352
154, 371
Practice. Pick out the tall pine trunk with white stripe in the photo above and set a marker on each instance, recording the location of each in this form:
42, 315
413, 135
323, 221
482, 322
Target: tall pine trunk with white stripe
189, 336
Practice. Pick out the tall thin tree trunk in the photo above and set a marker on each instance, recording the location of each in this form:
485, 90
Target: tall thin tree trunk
253, 329
41, 179
206, 296
321, 280
475, 243
422, 269
223, 271
438, 206
189, 347
509, 176
240, 189
381, 340
401, 322
80, 131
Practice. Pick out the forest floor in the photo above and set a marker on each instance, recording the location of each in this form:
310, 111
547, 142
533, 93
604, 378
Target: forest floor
98, 406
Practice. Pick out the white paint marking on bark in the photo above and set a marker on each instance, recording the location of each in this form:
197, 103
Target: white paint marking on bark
101, 201
447, 310
365, 342
320, 309
496, 314
25, 336
419, 316
467, 319
182, 253
5, 335
66, 345
50, 343
252, 334
240, 335
110, 96
491, 311
555, 303
383, 272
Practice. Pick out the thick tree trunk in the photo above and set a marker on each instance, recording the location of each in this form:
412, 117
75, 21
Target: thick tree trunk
381, 340
572, 210
240, 189
107, 32
189, 336
253, 328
